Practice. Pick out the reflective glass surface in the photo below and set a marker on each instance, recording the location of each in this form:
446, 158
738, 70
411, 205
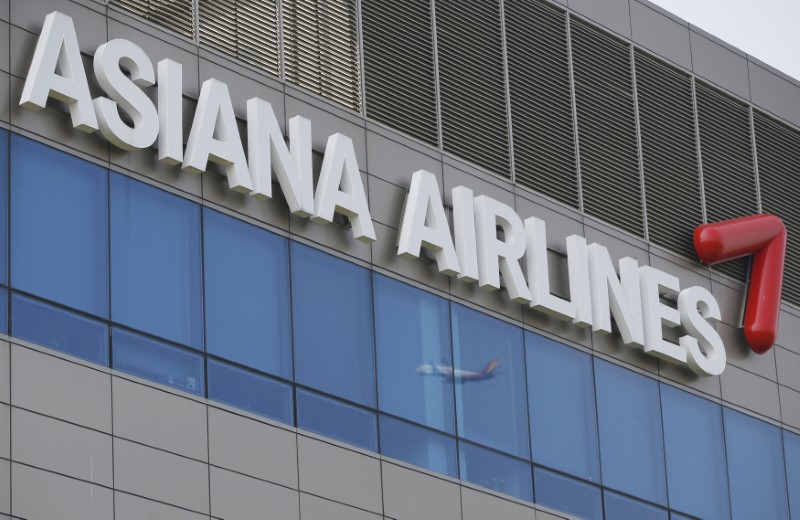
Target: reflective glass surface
419, 446
562, 407
247, 294
336, 419
333, 346
631, 445
755, 468
156, 284
415, 367
695, 451
494, 470
165, 364
249, 391
620, 507
59, 227
59, 329
791, 445
489, 379
4, 167
568, 495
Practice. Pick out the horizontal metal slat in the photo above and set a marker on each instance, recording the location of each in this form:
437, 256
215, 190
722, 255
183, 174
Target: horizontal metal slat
175, 15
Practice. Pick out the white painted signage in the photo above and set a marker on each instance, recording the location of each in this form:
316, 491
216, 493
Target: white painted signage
638, 299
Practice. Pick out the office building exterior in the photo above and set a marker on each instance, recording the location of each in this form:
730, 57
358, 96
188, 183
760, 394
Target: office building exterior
357, 334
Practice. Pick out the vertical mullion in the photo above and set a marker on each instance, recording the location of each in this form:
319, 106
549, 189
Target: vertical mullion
696, 115
439, 130
507, 85
574, 113
642, 190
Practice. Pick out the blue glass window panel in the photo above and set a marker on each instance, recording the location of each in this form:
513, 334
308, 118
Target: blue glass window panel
619, 507
418, 446
59, 329
156, 283
247, 295
755, 467
412, 329
333, 345
159, 362
59, 227
631, 444
491, 401
791, 445
562, 408
494, 470
4, 310
338, 420
4, 136
695, 448
251, 392
567, 495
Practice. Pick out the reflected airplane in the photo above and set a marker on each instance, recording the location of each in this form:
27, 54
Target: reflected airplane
450, 374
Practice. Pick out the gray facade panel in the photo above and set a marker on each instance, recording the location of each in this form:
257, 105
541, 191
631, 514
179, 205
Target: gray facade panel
156, 474
129, 507
90, 24
272, 212
613, 14
239, 497
774, 93
480, 506
731, 302
790, 407
316, 508
788, 364
611, 345
61, 447
559, 225
386, 202
339, 474
334, 236
678, 374
789, 332
394, 162
252, 448
68, 391
719, 65
740, 354
158, 419
41, 494
5, 97
5, 487
5, 431
618, 245
5, 372
5, 57
411, 495
752, 392
661, 34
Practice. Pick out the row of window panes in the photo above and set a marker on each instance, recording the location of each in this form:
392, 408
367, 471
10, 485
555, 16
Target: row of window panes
105, 261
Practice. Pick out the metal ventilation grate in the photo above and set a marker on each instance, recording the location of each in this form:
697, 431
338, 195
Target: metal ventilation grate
726, 148
472, 82
176, 15
610, 173
246, 29
778, 151
541, 99
321, 48
399, 70
669, 152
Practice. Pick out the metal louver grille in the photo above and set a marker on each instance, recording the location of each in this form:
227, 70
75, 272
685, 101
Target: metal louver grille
321, 48
176, 15
399, 70
669, 150
246, 29
729, 179
541, 100
778, 151
610, 174
472, 84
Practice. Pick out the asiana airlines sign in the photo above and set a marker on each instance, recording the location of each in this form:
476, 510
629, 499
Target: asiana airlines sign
473, 251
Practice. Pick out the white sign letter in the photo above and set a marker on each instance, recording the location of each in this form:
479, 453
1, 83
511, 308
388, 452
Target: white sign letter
579, 280
652, 281
497, 256
58, 47
617, 296
464, 231
268, 151
170, 112
125, 93
699, 310
340, 189
215, 137
425, 224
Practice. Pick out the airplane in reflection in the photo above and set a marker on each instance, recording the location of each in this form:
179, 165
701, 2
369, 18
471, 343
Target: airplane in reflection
448, 373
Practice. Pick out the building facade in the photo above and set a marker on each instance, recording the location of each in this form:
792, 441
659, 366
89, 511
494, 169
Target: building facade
180, 344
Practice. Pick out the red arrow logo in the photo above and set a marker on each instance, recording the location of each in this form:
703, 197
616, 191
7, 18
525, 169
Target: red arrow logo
763, 236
